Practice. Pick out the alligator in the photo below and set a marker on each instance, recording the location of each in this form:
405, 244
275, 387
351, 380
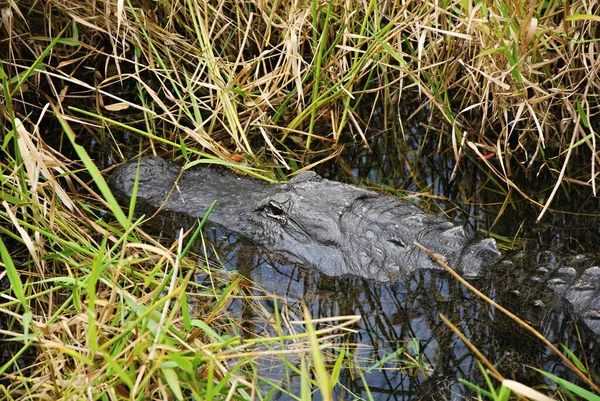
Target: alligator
340, 229
333, 227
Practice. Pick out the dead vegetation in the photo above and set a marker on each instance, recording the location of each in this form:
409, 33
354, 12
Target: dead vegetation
268, 82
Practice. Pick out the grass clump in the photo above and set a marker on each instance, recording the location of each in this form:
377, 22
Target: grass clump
95, 309
285, 84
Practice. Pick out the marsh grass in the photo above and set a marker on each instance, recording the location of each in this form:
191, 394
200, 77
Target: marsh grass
113, 313
252, 85
268, 85
285, 84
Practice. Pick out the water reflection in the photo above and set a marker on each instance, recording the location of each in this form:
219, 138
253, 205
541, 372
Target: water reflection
393, 314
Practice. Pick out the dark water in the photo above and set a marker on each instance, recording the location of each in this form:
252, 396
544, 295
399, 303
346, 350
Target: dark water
406, 314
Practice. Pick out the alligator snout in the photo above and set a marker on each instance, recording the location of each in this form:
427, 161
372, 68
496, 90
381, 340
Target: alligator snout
147, 172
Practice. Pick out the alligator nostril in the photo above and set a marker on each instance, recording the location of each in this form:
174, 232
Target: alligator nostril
397, 241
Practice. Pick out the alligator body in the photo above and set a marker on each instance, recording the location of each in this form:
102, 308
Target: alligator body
577, 281
334, 227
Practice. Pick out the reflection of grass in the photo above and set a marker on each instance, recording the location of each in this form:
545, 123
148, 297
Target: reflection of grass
570, 360
248, 85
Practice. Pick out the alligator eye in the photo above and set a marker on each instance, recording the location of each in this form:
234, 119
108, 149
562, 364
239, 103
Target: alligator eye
274, 210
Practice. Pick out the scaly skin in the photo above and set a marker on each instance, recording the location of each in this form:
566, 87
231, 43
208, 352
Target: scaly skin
334, 227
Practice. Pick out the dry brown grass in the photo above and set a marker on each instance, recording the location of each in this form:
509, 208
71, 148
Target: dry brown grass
273, 82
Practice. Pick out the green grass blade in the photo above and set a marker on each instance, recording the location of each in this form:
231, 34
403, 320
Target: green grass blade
589, 396
94, 172
13, 276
